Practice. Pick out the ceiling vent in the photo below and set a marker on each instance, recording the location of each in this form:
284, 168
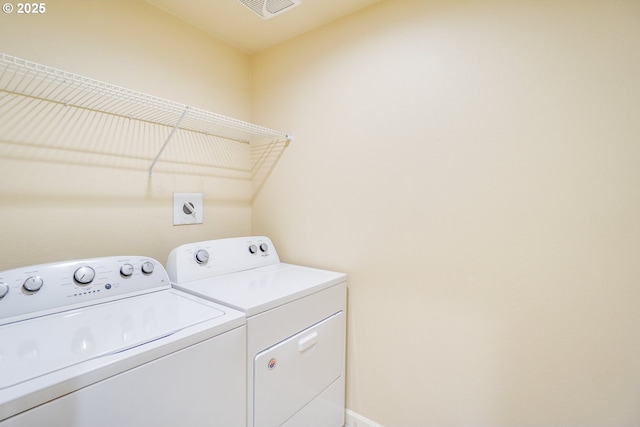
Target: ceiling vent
269, 8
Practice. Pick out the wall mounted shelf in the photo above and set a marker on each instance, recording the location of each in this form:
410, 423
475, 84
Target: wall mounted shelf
55, 109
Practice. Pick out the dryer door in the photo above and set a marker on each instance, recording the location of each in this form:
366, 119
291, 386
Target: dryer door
292, 373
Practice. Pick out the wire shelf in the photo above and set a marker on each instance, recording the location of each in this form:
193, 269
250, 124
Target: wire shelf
29, 89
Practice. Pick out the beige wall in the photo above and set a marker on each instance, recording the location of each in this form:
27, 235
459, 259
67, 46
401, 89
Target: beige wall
474, 167
59, 204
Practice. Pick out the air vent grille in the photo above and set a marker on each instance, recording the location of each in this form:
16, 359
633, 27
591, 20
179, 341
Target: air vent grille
269, 8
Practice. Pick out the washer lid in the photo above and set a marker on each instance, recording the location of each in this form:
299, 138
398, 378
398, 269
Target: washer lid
36, 347
261, 289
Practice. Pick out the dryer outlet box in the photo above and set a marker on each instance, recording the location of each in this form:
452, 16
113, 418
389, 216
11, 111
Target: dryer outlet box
187, 208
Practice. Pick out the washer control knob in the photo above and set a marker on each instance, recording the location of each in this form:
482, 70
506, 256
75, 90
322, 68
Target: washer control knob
126, 270
253, 249
4, 289
202, 256
33, 284
264, 247
147, 267
84, 275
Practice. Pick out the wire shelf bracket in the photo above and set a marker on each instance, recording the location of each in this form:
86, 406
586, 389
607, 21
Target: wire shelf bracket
166, 142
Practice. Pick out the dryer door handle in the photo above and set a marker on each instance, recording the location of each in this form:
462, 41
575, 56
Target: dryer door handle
307, 342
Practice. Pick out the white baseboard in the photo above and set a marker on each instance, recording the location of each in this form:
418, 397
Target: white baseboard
353, 419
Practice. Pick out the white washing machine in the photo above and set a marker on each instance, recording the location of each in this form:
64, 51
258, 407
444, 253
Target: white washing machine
295, 326
106, 342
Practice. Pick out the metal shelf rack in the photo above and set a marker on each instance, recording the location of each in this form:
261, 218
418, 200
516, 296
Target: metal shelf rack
29, 90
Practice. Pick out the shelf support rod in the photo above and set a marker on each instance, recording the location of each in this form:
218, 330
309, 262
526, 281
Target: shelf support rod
173, 131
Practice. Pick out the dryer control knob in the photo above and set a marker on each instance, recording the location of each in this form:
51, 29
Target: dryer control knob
33, 284
126, 270
202, 256
84, 275
147, 267
264, 247
4, 289
253, 249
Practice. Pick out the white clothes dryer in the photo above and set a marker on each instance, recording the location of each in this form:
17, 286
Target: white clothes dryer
296, 326
106, 342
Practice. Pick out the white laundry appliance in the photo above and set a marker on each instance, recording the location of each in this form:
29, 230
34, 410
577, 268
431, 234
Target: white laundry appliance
295, 326
106, 342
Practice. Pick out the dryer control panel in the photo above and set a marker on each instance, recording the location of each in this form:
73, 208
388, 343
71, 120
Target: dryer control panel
38, 290
202, 260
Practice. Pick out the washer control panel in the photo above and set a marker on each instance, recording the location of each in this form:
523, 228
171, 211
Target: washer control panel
201, 260
48, 288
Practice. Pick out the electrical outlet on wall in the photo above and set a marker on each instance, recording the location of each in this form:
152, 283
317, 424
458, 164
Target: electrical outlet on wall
187, 208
